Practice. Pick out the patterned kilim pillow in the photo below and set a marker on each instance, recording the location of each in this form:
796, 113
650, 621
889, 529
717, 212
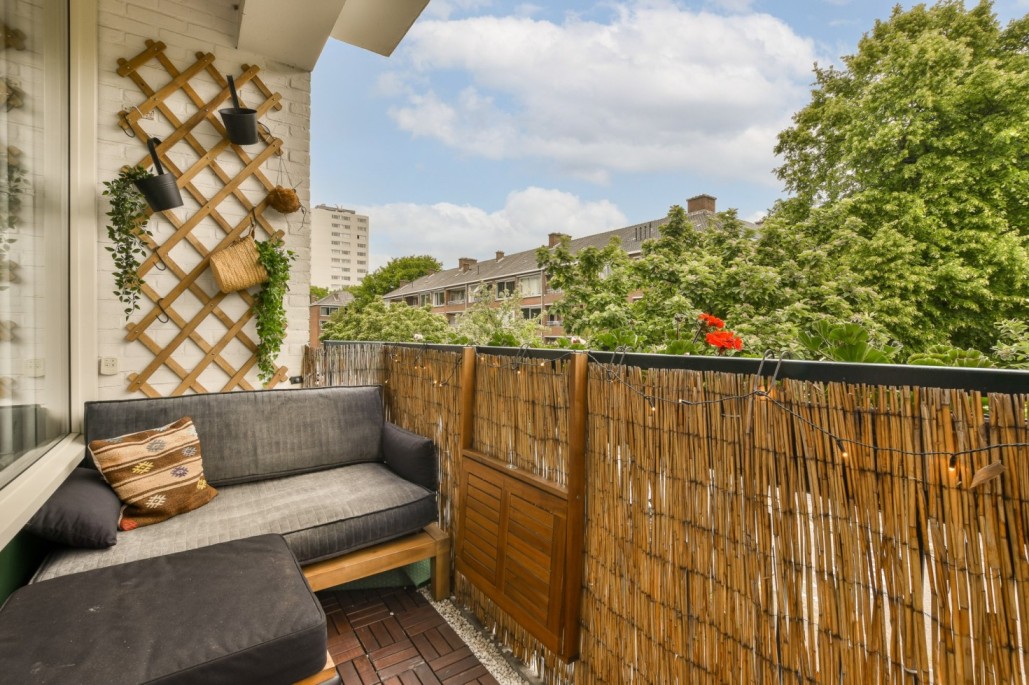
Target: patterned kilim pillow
156, 473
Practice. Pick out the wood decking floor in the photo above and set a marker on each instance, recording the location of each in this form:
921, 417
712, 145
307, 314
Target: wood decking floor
394, 636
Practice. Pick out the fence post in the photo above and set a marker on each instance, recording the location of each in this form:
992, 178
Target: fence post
467, 398
576, 537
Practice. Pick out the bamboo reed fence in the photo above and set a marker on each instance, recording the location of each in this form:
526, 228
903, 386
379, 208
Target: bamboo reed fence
823, 533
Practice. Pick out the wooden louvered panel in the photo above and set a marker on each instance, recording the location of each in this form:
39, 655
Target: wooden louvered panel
513, 543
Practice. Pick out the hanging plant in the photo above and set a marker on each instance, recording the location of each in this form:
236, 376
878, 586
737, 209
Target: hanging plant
269, 308
127, 230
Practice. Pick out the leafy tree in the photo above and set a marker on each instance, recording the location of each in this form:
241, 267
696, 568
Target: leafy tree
388, 323
492, 321
769, 284
318, 292
1012, 348
916, 149
389, 277
596, 283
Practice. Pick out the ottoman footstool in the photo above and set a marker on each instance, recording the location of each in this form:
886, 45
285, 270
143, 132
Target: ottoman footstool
235, 612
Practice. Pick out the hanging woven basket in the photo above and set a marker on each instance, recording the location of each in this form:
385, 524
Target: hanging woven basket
238, 266
284, 200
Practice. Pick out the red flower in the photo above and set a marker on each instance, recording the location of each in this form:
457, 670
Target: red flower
724, 340
712, 321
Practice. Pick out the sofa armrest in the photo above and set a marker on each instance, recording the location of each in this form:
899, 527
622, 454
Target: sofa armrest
410, 456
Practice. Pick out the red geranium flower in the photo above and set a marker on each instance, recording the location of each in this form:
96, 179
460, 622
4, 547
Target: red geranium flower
712, 321
724, 340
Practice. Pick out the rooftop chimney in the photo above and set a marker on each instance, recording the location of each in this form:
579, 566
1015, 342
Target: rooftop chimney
555, 238
701, 203
465, 263
500, 255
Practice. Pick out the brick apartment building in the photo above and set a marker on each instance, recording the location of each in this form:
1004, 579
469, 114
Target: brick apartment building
449, 292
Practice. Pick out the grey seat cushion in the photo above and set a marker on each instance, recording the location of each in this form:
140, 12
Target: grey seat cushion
247, 436
321, 515
240, 612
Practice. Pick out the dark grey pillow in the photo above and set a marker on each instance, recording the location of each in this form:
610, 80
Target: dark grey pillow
83, 512
409, 455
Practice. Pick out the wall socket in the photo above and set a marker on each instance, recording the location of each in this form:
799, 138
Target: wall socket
34, 368
108, 366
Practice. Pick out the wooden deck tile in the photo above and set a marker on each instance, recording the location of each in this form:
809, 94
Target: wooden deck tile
393, 636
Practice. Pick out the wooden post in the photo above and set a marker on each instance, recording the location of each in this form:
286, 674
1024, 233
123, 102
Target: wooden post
467, 398
576, 535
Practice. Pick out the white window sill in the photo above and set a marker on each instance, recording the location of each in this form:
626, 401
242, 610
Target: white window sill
23, 496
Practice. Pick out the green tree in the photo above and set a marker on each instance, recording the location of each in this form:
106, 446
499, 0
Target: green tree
318, 292
388, 323
493, 321
596, 283
916, 148
769, 284
389, 277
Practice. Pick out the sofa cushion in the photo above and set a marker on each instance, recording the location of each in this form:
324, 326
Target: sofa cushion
409, 455
157, 473
249, 436
82, 512
321, 515
234, 613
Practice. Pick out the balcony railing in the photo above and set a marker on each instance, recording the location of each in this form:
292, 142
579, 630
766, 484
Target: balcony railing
840, 523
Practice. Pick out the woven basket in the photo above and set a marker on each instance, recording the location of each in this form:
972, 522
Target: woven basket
237, 266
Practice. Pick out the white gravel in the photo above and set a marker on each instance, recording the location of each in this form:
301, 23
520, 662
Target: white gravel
486, 650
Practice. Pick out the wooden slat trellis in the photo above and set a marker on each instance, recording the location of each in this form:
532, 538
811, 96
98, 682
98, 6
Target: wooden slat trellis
186, 84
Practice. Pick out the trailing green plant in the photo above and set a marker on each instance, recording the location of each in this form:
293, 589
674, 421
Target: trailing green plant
127, 230
269, 307
945, 355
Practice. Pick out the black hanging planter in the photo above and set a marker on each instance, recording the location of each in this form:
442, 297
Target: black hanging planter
160, 190
240, 122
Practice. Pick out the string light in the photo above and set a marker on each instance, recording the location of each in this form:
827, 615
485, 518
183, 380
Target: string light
953, 463
840, 446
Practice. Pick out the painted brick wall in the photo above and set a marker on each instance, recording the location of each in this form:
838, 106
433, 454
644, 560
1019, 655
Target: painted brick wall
187, 27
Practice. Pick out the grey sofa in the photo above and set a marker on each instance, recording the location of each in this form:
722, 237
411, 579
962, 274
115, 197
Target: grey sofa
318, 466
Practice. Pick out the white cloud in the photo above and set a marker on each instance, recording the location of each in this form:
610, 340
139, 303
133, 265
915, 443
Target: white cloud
657, 88
443, 9
448, 231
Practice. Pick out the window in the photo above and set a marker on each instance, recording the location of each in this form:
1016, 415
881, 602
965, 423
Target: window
361, 254
335, 234
346, 251
553, 320
346, 269
34, 378
329, 311
423, 299
531, 286
361, 261
361, 245
505, 288
335, 225
335, 242
439, 299
455, 296
531, 313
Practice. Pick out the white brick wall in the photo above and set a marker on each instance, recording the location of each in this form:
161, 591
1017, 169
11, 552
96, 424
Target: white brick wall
187, 27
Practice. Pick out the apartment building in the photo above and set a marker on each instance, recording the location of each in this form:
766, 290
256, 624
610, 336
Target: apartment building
339, 247
449, 292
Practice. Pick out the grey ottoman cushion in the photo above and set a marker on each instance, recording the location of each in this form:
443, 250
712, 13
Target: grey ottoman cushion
321, 515
239, 612
248, 436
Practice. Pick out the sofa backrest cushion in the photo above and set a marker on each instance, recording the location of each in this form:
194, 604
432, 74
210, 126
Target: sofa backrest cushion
250, 436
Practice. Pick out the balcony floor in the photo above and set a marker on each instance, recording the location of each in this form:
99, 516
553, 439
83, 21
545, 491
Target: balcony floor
395, 637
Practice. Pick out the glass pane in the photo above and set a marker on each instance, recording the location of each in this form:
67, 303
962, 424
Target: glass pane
33, 231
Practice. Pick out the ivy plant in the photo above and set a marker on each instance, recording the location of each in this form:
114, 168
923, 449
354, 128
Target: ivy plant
127, 230
269, 307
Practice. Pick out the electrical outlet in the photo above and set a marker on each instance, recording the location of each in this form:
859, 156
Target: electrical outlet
34, 368
108, 366
296, 380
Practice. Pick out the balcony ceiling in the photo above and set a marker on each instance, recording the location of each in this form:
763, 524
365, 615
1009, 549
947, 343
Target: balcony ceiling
297, 38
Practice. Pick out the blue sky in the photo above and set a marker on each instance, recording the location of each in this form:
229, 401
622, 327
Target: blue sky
495, 123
